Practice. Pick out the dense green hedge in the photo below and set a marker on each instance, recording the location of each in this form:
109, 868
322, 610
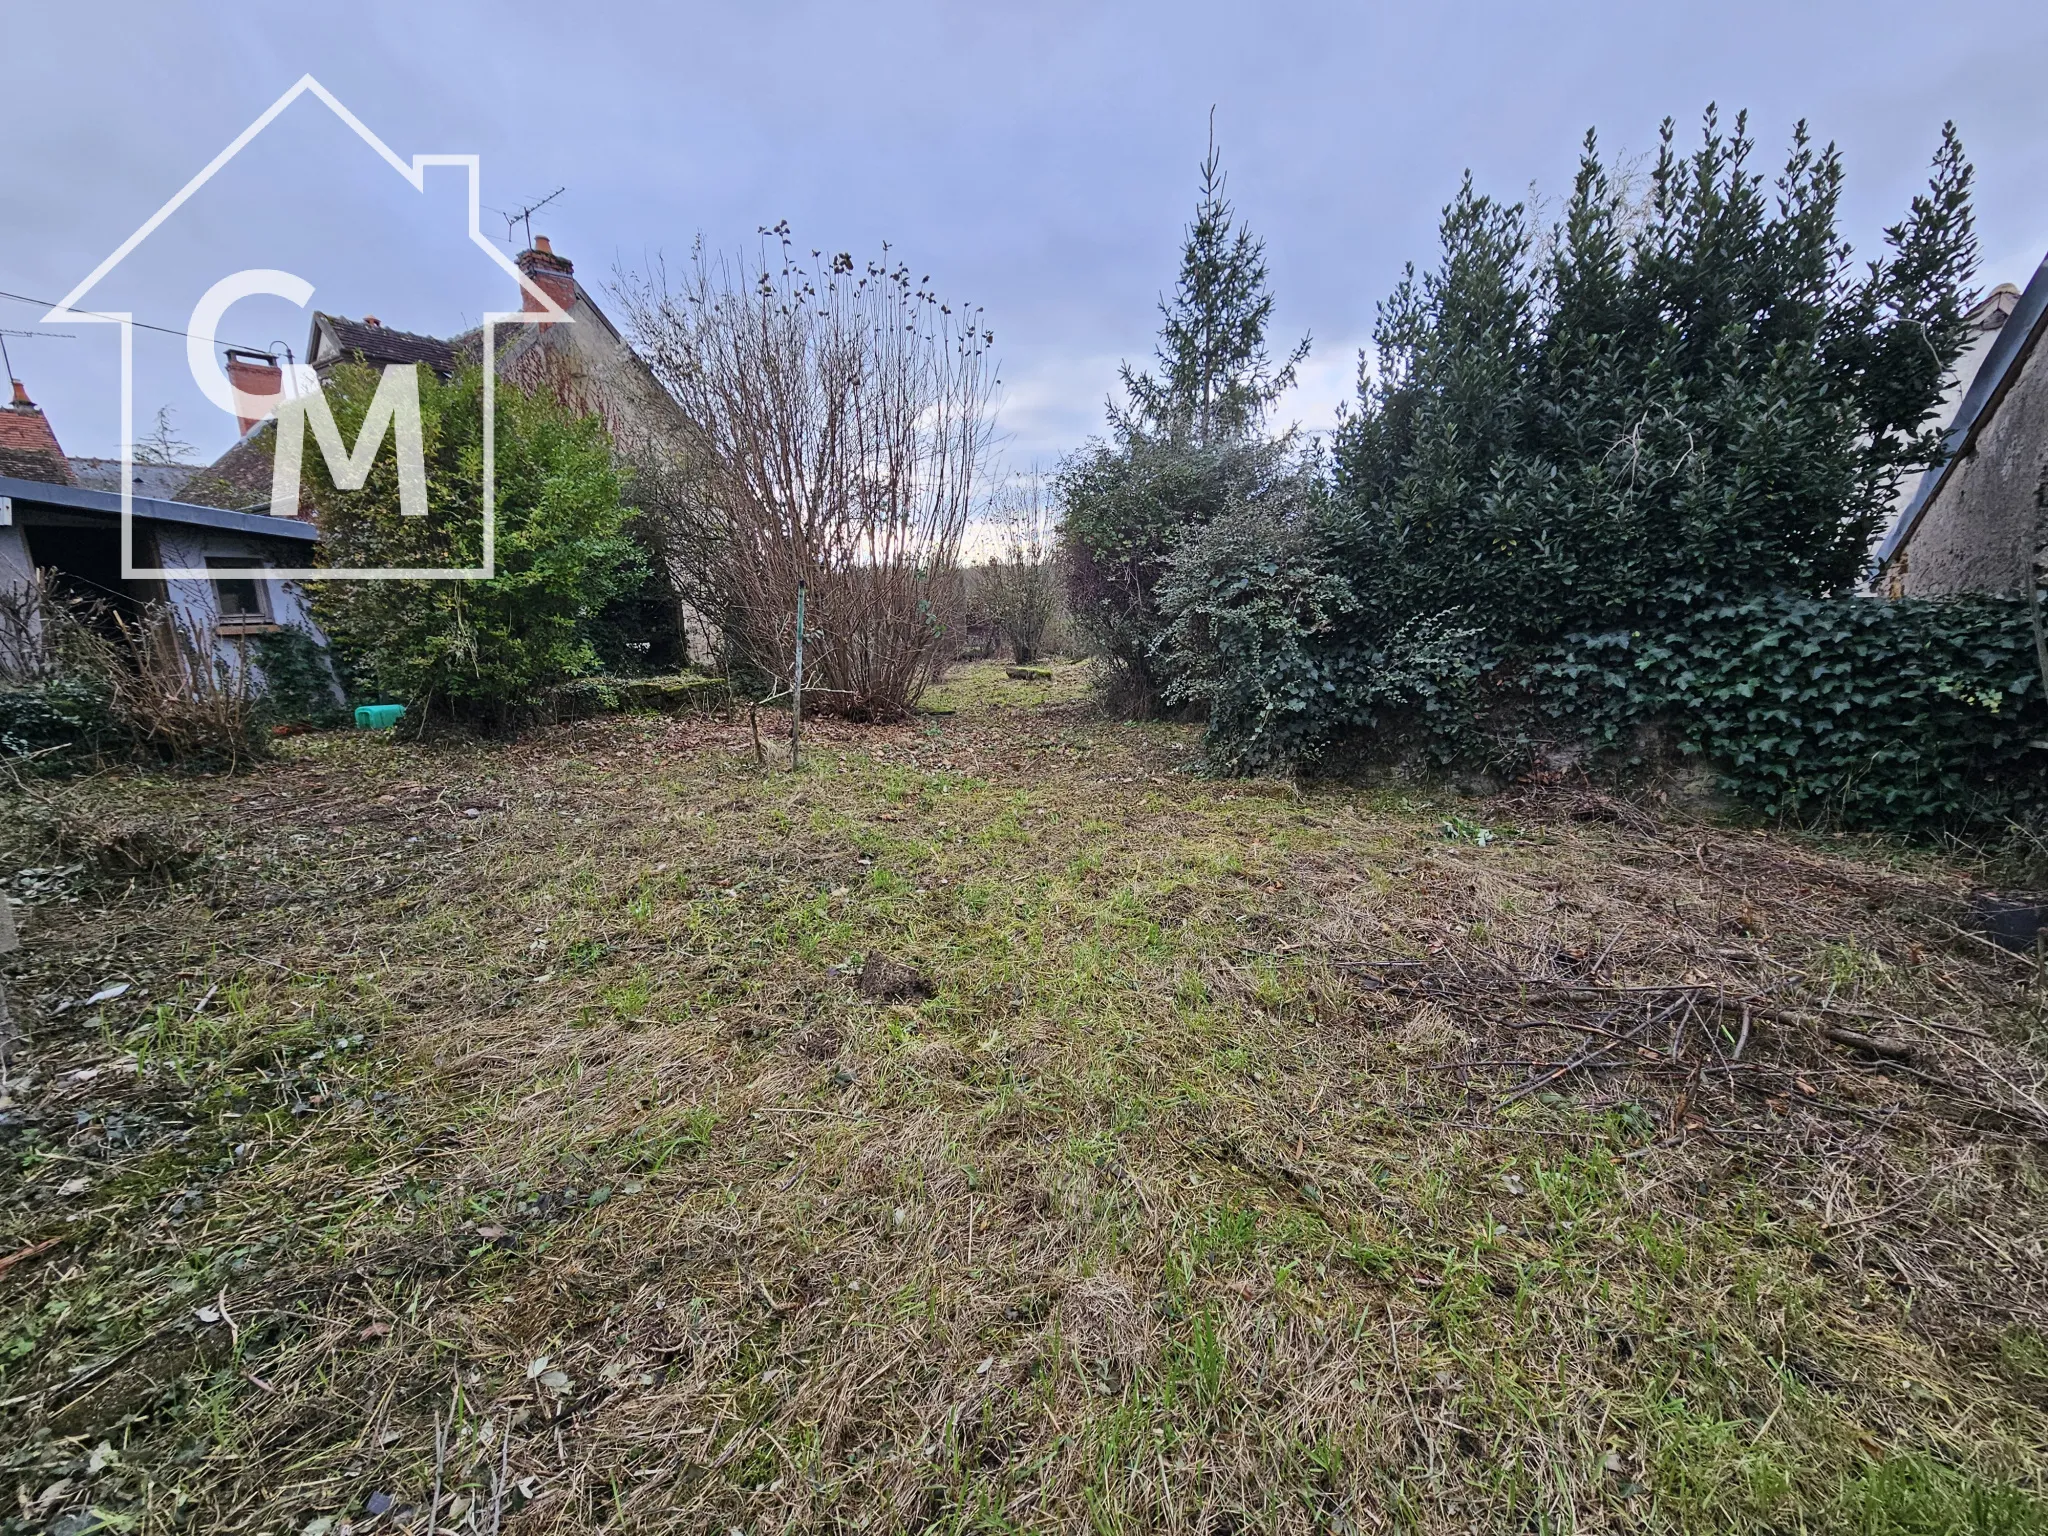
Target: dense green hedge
1910, 714
484, 652
299, 682
1619, 472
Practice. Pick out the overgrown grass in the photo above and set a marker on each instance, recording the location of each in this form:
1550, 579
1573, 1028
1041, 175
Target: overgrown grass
534, 1091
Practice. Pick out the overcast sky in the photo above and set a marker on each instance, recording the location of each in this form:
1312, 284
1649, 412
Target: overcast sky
1036, 159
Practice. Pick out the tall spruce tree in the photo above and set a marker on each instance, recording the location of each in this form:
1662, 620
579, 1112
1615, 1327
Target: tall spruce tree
1187, 446
1215, 377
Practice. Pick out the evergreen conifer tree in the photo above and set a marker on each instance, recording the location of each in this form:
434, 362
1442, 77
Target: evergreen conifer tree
1215, 377
1697, 394
1634, 422
1187, 447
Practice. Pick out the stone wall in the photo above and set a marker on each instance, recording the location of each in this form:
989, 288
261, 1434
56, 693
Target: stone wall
1980, 530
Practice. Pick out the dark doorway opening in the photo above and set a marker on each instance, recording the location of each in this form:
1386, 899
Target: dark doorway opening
83, 568
80, 562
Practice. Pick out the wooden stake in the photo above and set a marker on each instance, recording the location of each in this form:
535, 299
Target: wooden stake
796, 691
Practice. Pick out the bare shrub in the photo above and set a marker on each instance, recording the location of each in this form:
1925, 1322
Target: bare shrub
835, 419
1017, 587
23, 655
96, 680
41, 638
179, 697
56, 705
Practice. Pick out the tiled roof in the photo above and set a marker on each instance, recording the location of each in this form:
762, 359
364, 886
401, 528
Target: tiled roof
378, 344
238, 478
33, 464
29, 444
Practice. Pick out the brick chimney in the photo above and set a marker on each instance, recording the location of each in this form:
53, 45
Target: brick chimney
553, 275
28, 448
257, 382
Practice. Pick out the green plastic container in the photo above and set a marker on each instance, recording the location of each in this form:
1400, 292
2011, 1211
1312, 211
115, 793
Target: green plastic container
378, 717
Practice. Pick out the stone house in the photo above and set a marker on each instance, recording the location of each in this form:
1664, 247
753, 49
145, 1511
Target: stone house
1975, 523
588, 363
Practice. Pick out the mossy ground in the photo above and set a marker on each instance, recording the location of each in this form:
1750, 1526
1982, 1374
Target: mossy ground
512, 1117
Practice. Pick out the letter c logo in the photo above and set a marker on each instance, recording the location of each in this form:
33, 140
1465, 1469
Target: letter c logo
202, 351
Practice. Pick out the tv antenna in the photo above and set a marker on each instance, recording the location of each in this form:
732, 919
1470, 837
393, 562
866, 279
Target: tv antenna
517, 216
8, 362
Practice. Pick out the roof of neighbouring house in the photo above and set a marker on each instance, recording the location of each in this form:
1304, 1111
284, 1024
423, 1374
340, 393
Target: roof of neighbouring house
77, 498
32, 464
156, 480
2017, 338
335, 339
240, 478
28, 446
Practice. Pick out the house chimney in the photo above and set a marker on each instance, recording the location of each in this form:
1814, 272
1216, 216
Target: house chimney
257, 382
372, 320
28, 448
553, 275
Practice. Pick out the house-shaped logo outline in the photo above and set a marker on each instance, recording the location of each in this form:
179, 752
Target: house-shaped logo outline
415, 176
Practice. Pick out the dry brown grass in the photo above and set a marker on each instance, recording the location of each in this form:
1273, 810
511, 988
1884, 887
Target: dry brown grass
148, 682
1223, 1182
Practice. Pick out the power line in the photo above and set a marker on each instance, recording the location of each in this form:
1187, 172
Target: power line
140, 325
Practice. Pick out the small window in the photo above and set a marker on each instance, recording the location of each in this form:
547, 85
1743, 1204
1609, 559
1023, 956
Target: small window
240, 598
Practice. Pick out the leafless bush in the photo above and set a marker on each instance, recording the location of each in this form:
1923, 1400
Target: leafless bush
144, 679
41, 638
1018, 585
835, 419
179, 696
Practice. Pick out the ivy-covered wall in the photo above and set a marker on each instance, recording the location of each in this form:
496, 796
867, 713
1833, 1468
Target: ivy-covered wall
1913, 714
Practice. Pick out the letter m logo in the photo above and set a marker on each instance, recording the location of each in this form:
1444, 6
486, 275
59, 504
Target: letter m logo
395, 406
